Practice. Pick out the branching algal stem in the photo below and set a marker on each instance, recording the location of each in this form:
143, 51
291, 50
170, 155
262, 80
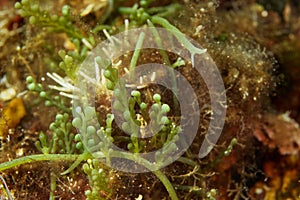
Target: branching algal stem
80, 158
35, 158
160, 175
164, 179
167, 62
159, 43
180, 36
136, 54
67, 157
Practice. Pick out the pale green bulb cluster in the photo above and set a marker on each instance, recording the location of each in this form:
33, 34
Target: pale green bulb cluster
98, 180
62, 141
50, 100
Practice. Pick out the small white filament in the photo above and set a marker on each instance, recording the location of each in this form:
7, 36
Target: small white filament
107, 35
97, 70
93, 81
71, 96
153, 76
87, 44
141, 80
61, 81
126, 22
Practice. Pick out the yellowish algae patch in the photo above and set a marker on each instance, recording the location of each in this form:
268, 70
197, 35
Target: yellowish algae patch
11, 115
